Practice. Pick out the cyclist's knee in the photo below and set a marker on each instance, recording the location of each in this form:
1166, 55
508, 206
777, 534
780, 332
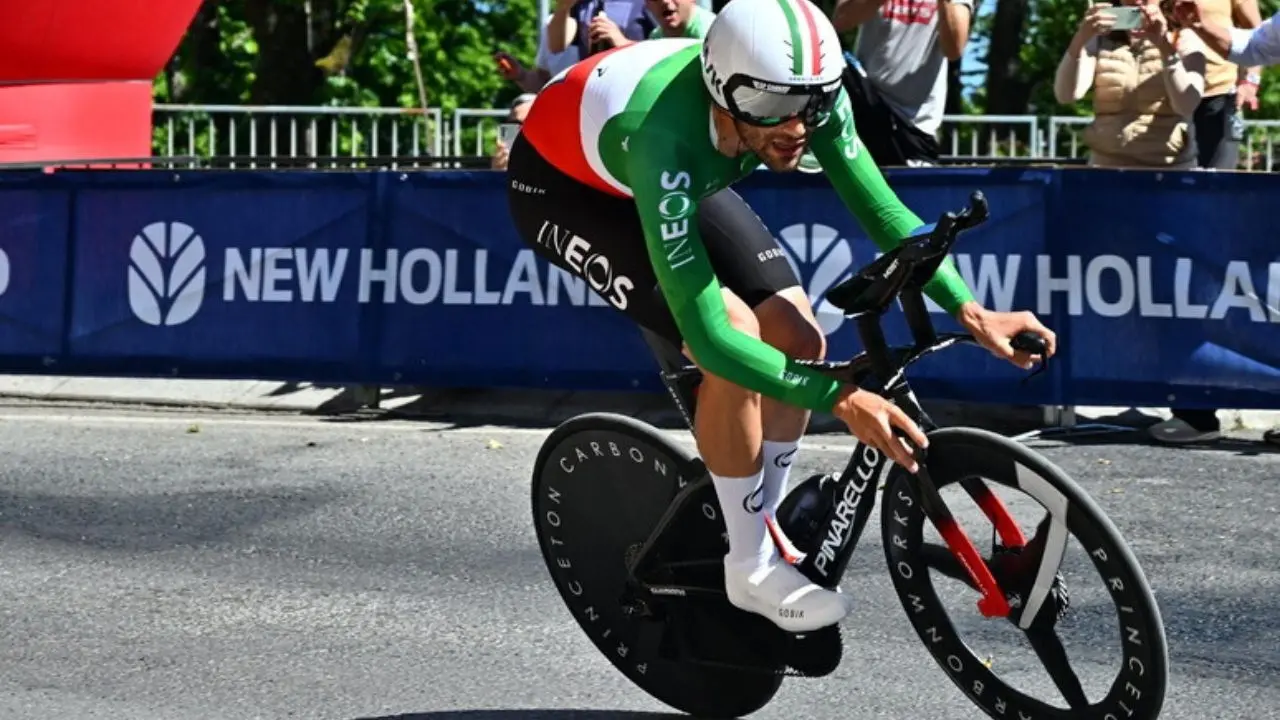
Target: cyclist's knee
787, 323
803, 339
740, 317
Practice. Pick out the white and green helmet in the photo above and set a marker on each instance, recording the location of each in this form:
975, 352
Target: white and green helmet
766, 61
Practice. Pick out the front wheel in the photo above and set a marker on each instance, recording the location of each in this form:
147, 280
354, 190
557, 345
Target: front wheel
601, 484
1029, 568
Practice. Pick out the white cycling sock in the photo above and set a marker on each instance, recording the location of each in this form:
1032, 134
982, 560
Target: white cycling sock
778, 458
741, 503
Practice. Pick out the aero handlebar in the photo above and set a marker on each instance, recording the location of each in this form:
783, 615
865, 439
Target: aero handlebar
901, 274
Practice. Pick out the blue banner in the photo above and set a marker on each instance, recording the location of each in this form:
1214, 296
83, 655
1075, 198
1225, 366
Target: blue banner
1171, 283
34, 236
1164, 288
217, 275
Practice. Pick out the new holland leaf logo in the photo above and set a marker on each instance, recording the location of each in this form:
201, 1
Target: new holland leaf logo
821, 258
166, 274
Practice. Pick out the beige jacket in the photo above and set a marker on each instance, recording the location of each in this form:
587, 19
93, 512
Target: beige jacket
1142, 104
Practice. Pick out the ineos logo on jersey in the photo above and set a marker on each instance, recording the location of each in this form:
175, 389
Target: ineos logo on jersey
587, 263
674, 208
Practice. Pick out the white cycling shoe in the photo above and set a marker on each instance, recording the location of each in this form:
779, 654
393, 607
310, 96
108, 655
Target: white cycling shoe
781, 593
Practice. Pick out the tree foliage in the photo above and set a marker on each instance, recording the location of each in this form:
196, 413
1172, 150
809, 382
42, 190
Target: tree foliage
347, 52
354, 53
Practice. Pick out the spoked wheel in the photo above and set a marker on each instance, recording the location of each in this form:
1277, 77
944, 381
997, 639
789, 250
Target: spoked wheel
1038, 541
601, 484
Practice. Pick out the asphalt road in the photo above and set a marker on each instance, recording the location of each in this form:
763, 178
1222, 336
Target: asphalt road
171, 565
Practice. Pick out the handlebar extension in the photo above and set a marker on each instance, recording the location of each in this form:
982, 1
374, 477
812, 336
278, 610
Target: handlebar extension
902, 273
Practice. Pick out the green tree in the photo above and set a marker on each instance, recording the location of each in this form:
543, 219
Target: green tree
265, 52
345, 53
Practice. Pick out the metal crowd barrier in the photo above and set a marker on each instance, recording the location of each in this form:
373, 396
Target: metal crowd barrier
266, 135
275, 136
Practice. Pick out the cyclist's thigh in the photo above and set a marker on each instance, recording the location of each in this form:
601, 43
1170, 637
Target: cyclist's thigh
744, 254
587, 233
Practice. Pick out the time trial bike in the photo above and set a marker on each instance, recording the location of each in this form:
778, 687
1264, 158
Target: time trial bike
628, 523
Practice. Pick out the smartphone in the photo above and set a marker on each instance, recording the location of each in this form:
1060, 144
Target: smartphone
507, 133
1128, 17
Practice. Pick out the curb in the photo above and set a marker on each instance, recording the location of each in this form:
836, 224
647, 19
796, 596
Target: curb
529, 408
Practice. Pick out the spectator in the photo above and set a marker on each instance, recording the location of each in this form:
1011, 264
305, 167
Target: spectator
897, 79
1218, 129
592, 26
1146, 86
547, 65
679, 19
1259, 45
515, 116
1227, 89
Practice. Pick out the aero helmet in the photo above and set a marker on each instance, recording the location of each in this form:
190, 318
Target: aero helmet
767, 61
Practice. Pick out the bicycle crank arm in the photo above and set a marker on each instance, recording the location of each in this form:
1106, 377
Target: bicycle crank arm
993, 602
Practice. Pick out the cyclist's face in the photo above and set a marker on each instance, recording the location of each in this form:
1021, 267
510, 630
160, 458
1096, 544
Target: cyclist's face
778, 147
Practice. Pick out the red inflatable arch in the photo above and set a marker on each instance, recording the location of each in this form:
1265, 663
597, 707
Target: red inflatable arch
76, 75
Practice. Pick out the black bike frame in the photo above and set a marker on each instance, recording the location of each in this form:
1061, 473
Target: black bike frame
851, 495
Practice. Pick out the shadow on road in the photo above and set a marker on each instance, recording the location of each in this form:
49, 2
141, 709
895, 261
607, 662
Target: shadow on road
153, 521
528, 715
1129, 428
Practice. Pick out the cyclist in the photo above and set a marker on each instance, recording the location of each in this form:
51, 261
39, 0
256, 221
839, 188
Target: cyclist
621, 176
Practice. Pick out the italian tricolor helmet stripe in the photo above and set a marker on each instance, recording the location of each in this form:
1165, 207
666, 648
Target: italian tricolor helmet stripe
800, 27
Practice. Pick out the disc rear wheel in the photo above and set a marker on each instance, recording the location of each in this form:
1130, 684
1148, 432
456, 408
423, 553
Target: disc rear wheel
601, 484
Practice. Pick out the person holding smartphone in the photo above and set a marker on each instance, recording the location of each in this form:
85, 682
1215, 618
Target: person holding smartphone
509, 128
1117, 51
594, 26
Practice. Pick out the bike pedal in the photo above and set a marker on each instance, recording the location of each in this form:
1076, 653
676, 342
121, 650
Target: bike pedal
817, 653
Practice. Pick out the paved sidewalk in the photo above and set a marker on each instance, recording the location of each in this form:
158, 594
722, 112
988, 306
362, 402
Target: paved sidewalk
520, 407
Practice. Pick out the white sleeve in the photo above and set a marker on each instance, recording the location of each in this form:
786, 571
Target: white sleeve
1259, 46
543, 60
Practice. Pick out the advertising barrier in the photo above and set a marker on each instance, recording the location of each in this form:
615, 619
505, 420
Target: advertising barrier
1164, 288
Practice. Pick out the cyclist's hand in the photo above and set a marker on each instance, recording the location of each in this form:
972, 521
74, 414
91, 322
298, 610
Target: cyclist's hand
872, 419
994, 330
